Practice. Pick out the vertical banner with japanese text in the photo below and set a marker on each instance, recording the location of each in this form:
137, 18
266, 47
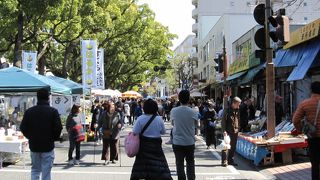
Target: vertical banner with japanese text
89, 60
100, 69
29, 61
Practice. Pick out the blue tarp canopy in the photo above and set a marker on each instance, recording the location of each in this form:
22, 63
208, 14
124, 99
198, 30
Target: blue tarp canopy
289, 57
14, 79
311, 51
75, 87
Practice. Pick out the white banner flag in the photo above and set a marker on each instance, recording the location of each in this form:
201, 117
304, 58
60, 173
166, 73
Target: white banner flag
29, 61
89, 60
100, 69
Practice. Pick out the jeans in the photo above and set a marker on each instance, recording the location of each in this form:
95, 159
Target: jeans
42, 163
314, 149
181, 153
74, 144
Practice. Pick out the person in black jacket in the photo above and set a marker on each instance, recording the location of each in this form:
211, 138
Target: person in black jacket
41, 124
210, 130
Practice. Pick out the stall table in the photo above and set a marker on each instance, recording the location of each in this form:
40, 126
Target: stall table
18, 147
258, 150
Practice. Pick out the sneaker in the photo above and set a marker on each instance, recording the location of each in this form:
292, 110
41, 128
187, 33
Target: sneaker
169, 142
224, 164
106, 163
76, 162
70, 162
113, 162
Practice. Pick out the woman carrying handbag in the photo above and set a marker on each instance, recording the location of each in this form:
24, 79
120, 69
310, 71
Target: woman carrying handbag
75, 132
110, 122
150, 162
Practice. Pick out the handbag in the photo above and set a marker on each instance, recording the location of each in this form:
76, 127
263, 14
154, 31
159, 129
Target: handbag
308, 128
132, 141
80, 136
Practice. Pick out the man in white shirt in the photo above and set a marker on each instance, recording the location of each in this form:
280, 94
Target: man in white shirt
183, 141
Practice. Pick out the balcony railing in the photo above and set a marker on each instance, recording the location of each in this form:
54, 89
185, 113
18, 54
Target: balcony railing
195, 27
195, 2
195, 42
195, 13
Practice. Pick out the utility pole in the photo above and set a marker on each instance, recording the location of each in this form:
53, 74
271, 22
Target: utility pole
225, 74
270, 87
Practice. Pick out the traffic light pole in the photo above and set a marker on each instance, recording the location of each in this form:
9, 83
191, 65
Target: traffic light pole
225, 74
270, 87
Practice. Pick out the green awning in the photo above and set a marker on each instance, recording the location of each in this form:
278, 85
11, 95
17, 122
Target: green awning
236, 75
251, 74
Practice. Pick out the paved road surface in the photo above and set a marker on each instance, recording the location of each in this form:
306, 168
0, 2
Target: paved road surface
91, 167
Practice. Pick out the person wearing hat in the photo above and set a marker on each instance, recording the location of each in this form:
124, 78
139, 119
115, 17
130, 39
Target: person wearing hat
73, 122
230, 125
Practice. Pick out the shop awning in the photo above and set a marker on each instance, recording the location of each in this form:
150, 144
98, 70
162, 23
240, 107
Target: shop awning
235, 76
290, 57
251, 74
310, 53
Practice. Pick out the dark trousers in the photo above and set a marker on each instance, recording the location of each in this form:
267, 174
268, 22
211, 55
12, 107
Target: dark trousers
74, 144
181, 153
228, 155
112, 143
314, 149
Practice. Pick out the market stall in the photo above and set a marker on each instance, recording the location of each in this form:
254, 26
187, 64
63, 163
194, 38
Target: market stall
255, 147
18, 93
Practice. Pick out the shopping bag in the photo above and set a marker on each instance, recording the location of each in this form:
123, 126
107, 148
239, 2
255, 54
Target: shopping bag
80, 136
132, 144
225, 143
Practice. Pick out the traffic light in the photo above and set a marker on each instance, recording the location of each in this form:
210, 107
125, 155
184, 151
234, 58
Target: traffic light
282, 31
259, 37
156, 68
219, 63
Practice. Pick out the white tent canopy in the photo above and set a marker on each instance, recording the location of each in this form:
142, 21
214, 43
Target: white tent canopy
106, 92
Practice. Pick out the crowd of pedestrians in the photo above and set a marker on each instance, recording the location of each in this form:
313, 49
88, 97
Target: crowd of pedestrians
189, 118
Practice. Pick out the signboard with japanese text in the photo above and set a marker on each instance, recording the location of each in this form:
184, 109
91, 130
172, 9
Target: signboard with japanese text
100, 69
304, 34
89, 60
76, 98
29, 61
62, 103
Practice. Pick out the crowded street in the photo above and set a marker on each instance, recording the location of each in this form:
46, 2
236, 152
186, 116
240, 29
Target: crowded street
159, 89
207, 162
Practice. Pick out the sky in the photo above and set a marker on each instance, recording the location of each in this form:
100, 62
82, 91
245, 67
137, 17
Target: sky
176, 14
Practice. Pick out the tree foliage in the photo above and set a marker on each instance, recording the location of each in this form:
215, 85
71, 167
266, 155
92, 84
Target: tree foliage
133, 41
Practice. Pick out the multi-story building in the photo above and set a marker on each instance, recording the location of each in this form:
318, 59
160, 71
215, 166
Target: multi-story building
209, 33
298, 11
